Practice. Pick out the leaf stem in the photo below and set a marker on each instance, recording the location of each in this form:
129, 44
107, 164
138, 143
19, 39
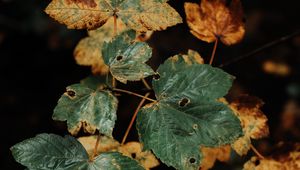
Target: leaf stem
114, 82
256, 152
214, 52
146, 84
96, 147
135, 94
134, 117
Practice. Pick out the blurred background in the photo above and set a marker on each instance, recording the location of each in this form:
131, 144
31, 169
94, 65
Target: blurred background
36, 64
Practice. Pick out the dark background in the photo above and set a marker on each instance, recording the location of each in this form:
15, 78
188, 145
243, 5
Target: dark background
36, 64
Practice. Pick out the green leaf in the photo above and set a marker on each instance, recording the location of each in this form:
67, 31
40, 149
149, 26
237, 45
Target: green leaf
126, 57
187, 114
50, 151
140, 15
84, 107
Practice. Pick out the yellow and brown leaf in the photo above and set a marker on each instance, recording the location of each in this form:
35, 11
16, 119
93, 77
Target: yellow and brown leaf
140, 15
253, 121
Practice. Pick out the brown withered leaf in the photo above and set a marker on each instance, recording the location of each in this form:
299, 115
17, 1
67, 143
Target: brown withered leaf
281, 161
253, 121
210, 155
134, 150
106, 144
214, 20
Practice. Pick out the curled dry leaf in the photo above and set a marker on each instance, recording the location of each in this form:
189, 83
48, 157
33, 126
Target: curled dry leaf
213, 19
253, 121
210, 155
106, 144
134, 150
283, 161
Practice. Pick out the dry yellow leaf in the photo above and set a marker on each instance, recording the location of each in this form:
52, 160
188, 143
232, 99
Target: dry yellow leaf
285, 161
213, 20
106, 144
134, 150
253, 122
210, 155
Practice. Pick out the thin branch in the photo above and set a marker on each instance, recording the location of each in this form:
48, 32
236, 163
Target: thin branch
260, 49
213, 52
256, 152
135, 94
114, 82
96, 147
133, 118
146, 84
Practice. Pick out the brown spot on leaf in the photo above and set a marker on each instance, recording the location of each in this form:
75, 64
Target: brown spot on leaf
192, 160
119, 58
183, 102
156, 76
71, 93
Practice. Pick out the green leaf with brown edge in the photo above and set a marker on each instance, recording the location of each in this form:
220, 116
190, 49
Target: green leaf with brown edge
187, 114
140, 15
126, 57
83, 107
50, 151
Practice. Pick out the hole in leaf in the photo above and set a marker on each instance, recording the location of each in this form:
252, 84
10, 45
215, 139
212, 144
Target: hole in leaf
133, 155
195, 126
257, 162
192, 160
156, 76
183, 102
119, 58
71, 93
142, 35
